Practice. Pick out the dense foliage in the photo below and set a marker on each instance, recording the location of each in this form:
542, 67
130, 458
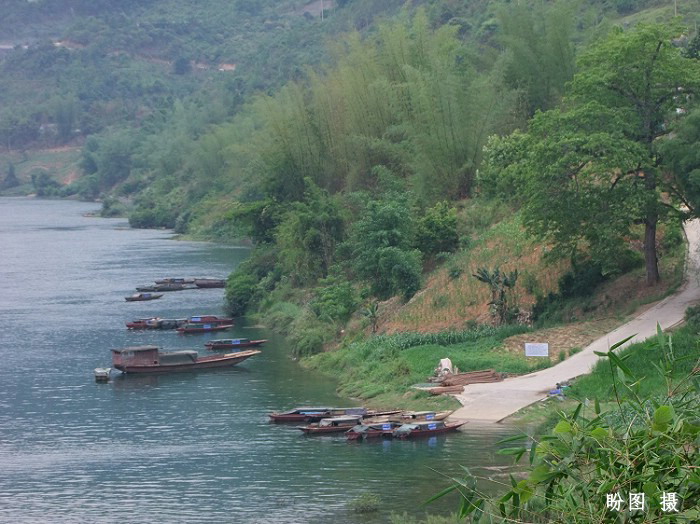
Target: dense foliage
647, 444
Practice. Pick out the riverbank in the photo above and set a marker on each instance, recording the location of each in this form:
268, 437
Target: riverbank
494, 402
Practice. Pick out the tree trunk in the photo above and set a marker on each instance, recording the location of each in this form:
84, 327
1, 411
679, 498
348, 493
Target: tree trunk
650, 259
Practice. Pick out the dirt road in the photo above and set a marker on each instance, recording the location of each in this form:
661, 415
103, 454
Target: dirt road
495, 401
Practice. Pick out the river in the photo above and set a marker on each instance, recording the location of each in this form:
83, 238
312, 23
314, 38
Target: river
190, 447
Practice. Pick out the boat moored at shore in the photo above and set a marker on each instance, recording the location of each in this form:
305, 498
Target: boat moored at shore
367, 430
150, 359
425, 429
200, 327
314, 414
156, 323
331, 425
410, 416
210, 282
140, 297
233, 343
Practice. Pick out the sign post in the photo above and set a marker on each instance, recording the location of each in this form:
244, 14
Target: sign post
536, 349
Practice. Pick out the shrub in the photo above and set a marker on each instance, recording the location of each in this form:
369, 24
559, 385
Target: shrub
240, 287
692, 316
437, 230
455, 272
335, 300
641, 446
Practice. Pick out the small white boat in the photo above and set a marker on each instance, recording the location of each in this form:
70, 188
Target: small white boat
102, 374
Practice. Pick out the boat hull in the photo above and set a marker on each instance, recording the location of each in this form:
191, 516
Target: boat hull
252, 343
209, 283
193, 330
297, 417
418, 433
318, 430
142, 299
218, 361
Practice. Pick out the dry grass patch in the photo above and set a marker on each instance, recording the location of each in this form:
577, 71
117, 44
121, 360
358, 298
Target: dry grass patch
562, 338
449, 302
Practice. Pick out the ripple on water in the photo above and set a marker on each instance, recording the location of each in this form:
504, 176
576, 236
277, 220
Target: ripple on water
191, 447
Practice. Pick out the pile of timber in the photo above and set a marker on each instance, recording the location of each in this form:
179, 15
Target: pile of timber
455, 383
445, 390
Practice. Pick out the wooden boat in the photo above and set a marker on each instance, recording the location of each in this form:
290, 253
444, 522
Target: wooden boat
156, 323
366, 430
166, 287
199, 327
331, 425
410, 416
150, 359
174, 280
233, 343
425, 429
209, 282
102, 374
314, 414
138, 297
209, 319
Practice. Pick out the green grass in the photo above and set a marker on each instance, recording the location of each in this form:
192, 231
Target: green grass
382, 369
640, 357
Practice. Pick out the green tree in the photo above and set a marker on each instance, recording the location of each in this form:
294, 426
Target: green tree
381, 249
10, 179
590, 170
308, 235
681, 154
539, 51
436, 231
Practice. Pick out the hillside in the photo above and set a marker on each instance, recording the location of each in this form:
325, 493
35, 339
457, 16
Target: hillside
362, 169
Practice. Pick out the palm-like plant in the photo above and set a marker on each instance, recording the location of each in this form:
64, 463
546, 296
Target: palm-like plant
502, 285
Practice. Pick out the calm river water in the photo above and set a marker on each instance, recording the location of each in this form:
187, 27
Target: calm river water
191, 447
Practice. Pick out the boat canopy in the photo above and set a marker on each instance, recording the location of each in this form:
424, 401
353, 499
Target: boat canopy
135, 349
307, 411
177, 357
334, 421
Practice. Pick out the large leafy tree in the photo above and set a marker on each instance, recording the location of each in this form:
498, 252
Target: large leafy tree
591, 169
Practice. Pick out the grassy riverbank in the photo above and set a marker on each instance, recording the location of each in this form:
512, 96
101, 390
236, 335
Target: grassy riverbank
383, 368
650, 361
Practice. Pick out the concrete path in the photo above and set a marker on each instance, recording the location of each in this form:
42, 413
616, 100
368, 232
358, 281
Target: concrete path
495, 401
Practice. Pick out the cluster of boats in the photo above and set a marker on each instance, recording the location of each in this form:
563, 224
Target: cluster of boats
151, 359
195, 324
362, 424
154, 291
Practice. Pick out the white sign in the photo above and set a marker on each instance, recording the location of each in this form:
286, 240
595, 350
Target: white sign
533, 349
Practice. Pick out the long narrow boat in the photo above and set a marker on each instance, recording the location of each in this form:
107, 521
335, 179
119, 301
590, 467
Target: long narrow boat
331, 425
425, 429
190, 328
150, 359
138, 297
209, 282
417, 416
366, 430
210, 319
233, 343
175, 280
166, 287
314, 414
156, 323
